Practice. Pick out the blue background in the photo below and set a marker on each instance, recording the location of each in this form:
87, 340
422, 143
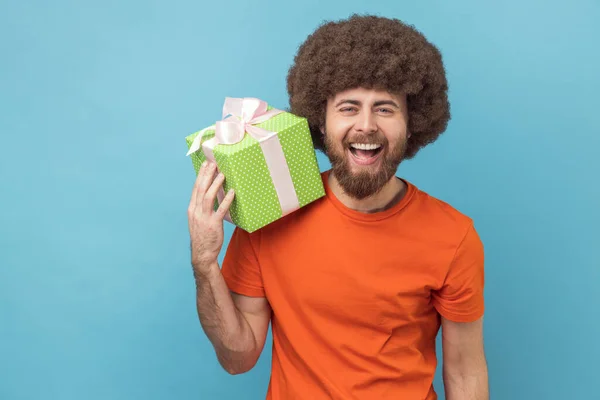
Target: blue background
96, 291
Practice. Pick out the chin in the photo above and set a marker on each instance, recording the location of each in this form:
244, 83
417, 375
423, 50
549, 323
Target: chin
361, 182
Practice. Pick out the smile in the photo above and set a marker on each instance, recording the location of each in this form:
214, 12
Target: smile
365, 154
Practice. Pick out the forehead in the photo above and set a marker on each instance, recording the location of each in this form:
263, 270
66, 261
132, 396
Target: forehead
365, 95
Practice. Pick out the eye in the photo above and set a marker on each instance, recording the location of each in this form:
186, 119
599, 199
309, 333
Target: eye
385, 110
348, 109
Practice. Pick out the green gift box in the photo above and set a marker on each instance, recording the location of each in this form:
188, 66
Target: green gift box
266, 155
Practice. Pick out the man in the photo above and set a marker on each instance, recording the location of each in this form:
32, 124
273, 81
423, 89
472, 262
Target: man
358, 283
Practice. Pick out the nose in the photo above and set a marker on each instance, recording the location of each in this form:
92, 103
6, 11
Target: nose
366, 123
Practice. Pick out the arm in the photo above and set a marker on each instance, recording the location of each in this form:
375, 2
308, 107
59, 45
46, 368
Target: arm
464, 366
236, 325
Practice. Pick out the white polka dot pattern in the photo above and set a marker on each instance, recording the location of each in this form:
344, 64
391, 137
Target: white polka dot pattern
256, 203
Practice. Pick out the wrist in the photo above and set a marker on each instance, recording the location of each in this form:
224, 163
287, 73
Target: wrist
204, 272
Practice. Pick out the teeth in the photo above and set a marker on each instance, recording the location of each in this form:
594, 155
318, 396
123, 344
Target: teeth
364, 146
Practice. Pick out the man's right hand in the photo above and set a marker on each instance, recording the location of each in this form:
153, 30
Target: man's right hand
206, 224
236, 325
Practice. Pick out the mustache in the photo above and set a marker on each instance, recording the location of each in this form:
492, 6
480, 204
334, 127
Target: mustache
366, 139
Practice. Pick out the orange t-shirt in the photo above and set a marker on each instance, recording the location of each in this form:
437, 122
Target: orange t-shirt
357, 297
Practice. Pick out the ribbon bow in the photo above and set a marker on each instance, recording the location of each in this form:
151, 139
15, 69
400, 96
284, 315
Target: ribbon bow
239, 116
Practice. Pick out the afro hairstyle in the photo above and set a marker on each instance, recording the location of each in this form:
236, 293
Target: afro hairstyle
375, 53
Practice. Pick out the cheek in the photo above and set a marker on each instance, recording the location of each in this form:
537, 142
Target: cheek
395, 133
336, 133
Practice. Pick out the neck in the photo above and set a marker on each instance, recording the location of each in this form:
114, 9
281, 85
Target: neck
387, 197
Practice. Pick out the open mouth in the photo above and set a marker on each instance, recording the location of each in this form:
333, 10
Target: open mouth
365, 154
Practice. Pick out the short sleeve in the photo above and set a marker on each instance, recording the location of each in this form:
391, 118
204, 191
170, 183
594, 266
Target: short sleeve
460, 299
240, 268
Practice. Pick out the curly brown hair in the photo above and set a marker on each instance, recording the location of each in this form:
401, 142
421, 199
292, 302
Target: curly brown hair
371, 52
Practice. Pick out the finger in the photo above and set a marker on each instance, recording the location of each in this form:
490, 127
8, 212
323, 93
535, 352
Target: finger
195, 189
211, 193
225, 204
204, 182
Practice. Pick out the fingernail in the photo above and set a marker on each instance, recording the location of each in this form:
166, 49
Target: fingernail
204, 164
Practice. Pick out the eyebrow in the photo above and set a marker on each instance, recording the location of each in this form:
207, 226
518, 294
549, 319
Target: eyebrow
376, 104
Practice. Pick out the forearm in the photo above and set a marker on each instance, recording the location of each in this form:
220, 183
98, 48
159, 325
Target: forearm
224, 325
463, 384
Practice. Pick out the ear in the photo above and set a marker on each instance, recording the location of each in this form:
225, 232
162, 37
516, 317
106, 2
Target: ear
322, 129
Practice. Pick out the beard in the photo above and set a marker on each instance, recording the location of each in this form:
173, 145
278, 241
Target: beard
368, 181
